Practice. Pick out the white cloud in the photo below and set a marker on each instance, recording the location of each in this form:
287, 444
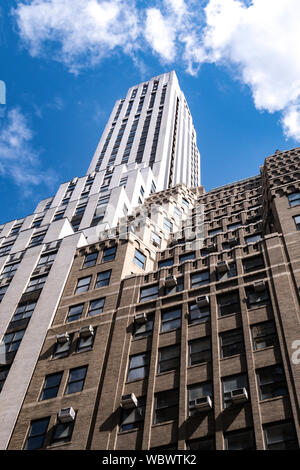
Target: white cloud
257, 39
160, 33
86, 31
18, 159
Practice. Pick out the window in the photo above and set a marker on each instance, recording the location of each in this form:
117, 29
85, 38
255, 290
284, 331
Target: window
37, 239
254, 298
165, 262
36, 283
144, 329
133, 418
90, 259
62, 432
206, 443
139, 259
37, 222
232, 383
15, 230
76, 380
83, 284
253, 238
199, 351
168, 358
215, 231
3, 374
12, 341
228, 304
24, 310
186, 257
84, 343
75, 312
234, 226
155, 239
294, 199
138, 366
62, 349
51, 386
5, 249
199, 279
280, 436
231, 272
37, 434
231, 343
168, 226
2, 292
264, 335
59, 215
185, 202
96, 307
271, 382
47, 259
103, 279
198, 391
148, 293
109, 254
297, 221
171, 319
80, 209
177, 288
166, 406
198, 314
9, 270
239, 440
253, 264
177, 212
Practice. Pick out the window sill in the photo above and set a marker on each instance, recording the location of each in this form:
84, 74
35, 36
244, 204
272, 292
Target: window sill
267, 400
135, 380
233, 356
155, 425
266, 348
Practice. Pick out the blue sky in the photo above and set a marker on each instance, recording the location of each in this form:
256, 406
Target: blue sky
65, 62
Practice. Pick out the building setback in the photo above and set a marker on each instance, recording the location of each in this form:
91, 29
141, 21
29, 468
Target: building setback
178, 328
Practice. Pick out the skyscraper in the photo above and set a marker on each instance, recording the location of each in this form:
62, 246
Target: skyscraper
148, 145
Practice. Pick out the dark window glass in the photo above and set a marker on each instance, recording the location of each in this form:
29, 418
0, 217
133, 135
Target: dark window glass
187, 256
171, 319
199, 279
297, 221
149, 293
233, 383
169, 358
253, 238
198, 314
24, 311
166, 406
264, 335
37, 433
144, 329
231, 343
199, 351
206, 443
63, 432
96, 307
253, 264
36, 283
90, 259
3, 374
231, 272
239, 440
229, 303
165, 262
12, 340
138, 366
294, 199
62, 349
109, 254
83, 284
280, 436
51, 386
85, 343
139, 259
76, 380
75, 312
256, 298
103, 279
133, 418
271, 382
177, 288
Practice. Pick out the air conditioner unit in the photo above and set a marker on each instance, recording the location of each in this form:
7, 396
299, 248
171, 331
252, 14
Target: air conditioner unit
155, 243
171, 281
232, 241
66, 415
86, 331
201, 403
129, 401
140, 318
259, 286
211, 247
202, 301
240, 395
222, 266
63, 338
